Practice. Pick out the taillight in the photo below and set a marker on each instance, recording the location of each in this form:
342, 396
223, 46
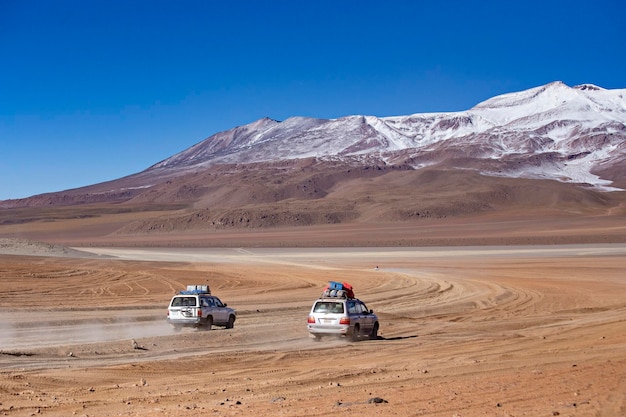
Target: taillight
311, 320
199, 313
345, 320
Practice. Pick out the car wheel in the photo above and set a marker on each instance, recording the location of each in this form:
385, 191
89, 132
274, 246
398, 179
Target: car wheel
374, 333
355, 333
208, 325
231, 322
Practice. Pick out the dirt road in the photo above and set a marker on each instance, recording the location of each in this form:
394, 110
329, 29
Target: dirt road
467, 331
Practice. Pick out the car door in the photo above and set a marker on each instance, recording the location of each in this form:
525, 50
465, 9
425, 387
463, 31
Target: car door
220, 314
183, 308
367, 319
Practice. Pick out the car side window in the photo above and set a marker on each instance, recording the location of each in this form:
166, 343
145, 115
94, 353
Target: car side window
204, 302
218, 302
363, 308
352, 307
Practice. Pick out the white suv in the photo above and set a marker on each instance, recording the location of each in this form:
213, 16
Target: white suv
196, 307
337, 316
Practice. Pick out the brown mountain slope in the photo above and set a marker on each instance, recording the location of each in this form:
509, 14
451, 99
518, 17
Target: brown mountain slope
323, 203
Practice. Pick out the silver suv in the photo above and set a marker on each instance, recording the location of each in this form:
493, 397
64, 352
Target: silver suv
336, 316
196, 307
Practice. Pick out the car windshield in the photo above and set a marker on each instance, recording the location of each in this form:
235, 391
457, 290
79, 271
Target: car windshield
328, 307
184, 302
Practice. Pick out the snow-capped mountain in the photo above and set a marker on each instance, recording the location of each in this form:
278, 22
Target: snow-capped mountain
570, 134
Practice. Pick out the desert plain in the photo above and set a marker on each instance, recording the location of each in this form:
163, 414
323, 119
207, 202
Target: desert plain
501, 318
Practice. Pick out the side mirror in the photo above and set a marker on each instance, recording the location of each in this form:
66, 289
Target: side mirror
371, 311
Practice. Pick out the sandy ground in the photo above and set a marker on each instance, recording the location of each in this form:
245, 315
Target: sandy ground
465, 331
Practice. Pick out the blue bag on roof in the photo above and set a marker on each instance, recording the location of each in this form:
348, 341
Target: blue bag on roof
334, 285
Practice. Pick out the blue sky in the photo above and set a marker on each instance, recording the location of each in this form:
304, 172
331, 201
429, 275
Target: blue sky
92, 91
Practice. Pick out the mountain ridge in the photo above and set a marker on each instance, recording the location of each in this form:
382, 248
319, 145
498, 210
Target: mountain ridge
575, 136
585, 124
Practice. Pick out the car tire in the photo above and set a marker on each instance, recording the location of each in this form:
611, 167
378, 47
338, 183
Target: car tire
208, 324
355, 333
374, 333
231, 322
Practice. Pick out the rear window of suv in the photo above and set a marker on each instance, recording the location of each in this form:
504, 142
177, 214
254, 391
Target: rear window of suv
184, 302
328, 307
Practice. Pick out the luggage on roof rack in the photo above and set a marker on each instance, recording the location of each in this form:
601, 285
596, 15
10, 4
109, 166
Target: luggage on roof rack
196, 289
338, 289
334, 285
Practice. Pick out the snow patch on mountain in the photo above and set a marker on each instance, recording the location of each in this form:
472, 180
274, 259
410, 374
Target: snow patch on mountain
579, 129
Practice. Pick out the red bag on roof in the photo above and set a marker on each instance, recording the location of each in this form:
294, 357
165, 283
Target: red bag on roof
348, 290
